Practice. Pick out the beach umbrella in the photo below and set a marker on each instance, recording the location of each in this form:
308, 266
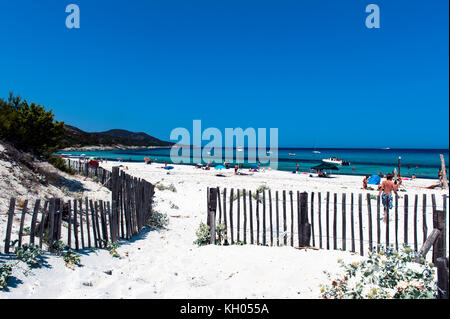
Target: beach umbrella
219, 167
325, 166
374, 180
168, 167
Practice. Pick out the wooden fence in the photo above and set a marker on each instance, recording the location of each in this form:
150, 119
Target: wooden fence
100, 174
84, 223
130, 196
347, 222
350, 223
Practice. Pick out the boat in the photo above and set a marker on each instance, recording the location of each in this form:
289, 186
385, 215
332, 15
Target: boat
336, 161
291, 154
315, 151
240, 149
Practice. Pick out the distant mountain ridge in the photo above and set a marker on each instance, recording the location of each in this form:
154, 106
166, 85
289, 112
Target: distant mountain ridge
115, 138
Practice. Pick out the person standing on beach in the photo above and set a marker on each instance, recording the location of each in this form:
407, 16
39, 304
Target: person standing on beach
297, 167
386, 188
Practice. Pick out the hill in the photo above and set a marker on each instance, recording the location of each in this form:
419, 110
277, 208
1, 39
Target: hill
116, 138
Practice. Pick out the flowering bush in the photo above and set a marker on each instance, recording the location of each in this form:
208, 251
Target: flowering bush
386, 274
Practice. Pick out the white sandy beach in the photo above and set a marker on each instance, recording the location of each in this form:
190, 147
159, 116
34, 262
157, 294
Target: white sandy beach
166, 264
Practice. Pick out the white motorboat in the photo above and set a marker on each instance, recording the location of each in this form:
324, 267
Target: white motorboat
291, 154
336, 161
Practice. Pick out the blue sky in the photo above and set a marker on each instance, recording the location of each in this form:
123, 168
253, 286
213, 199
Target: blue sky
310, 68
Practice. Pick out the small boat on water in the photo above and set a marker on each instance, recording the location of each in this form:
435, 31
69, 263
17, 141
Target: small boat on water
316, 152
291, 154
336, 161
240, 149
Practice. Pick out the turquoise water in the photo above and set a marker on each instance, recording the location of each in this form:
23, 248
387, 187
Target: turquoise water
362, 161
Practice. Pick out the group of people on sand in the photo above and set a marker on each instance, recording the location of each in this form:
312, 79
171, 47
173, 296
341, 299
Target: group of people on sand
390, 186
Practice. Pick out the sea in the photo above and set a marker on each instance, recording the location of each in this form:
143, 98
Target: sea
423, 163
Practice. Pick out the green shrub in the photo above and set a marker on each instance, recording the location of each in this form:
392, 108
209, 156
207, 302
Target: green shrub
260, 190
203, 235
387, 274
158, 220
162, 187
5, 273
59, 163
58, 247
71, 259
30, 254
111, 247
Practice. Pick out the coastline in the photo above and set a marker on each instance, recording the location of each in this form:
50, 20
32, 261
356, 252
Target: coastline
96, 148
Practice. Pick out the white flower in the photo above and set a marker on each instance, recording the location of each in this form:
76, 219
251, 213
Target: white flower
415, 267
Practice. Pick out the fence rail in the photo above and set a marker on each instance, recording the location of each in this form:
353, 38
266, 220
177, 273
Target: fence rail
84, 223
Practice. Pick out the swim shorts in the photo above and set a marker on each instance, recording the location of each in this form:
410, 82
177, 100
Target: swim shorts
387, 200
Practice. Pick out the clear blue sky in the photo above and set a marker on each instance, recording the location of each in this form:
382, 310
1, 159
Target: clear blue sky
310, 68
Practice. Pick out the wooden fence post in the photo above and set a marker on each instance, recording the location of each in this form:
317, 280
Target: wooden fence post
238, 221
439, 249
12, 206
115, 194
369, 219
277, 219
442, 274
352, 219
34, 220
251, 216
344, 223
231, 217
244, 201
361, 236
312, 220
257, 217
292, 218
43, 220
328, 220
319, 217
22, 220
270, 218
212, 207
304, 228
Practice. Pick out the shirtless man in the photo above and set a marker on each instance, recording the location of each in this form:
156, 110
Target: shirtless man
387, 187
